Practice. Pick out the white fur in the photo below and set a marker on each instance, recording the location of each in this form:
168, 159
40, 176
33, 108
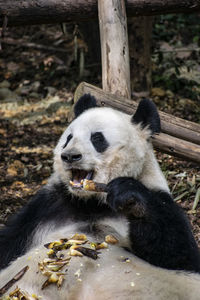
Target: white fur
129, 152
109, 277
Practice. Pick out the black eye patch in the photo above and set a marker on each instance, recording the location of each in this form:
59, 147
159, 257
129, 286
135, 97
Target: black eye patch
99, 142
68, 139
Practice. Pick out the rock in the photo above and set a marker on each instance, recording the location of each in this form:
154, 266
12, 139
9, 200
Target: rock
25, 89
8, 96
22, 90
35, 86
51, 91
5, 93
34, 95
5, 84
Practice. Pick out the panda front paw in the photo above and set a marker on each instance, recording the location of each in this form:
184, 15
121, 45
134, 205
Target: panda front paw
127, 195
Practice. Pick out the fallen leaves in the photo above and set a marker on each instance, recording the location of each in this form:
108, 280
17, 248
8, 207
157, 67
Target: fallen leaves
185, 187
44, 150
15, 168
47, 110
196, 200
158, 92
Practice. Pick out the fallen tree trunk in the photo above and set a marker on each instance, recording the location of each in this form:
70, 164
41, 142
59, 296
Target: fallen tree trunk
179, 137
33, 12
177, 147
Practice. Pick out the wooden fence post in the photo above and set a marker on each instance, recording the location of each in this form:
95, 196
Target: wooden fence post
114, 47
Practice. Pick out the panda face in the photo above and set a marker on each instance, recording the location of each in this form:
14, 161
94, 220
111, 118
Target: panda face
100, 144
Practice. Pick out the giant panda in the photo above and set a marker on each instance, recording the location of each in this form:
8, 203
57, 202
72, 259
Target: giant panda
155, 257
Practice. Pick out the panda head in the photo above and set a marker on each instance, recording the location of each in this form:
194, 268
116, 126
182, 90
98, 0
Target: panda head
102, 143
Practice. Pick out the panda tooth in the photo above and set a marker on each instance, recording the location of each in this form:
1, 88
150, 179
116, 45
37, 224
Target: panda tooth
89, 175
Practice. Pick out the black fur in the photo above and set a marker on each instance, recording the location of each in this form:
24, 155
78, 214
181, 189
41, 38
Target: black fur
99, 142
158, 230
85, 102
47, 205
147, 115
70, 136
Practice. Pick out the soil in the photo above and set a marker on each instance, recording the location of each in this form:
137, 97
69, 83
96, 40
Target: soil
36, 92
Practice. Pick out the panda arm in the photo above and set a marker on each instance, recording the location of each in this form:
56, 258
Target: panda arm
18, 232
158, 229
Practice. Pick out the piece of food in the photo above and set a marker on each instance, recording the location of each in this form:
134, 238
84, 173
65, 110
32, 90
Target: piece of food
110, 239
98, 246
74, 252
89, 185
8, 285
102, 245
78, 236
18, 294
52, 266
88, 252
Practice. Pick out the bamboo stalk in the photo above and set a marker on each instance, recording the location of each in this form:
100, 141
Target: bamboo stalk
10, 283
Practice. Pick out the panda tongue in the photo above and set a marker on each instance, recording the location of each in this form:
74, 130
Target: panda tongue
77, 176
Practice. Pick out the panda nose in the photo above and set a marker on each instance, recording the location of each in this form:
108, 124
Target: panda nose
71, 157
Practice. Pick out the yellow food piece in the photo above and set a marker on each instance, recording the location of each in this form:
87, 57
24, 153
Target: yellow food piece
110, 239
60, 281
74, 252
53, 278
50, 252
103, 245
54, 244
78, 236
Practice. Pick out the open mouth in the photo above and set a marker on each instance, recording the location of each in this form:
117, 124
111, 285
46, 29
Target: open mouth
78, 176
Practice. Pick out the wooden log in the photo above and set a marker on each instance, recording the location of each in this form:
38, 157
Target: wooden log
114, 47
171, 125
179, 137
33, 12
177, 147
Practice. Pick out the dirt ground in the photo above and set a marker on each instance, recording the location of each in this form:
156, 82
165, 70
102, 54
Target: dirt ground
36, 92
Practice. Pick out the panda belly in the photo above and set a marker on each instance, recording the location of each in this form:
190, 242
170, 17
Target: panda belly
108, 277
32, 281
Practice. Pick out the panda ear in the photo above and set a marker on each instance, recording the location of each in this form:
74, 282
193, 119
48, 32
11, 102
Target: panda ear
147, 115
85, 102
